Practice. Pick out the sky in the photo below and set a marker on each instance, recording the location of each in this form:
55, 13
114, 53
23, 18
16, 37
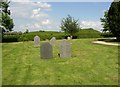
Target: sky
35, 15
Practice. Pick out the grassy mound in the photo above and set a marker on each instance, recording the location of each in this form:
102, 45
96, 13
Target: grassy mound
84, 33
89, 33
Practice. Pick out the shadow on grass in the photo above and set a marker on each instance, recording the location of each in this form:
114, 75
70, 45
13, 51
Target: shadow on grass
108, 40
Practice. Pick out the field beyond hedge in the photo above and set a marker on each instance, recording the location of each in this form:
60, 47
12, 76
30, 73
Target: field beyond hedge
90, 64
83, 33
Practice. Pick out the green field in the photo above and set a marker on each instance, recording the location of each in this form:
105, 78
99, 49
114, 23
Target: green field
91, 64
83, 33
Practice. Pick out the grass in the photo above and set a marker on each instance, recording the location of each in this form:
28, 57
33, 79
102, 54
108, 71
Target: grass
109, 40
91, 64
89, 33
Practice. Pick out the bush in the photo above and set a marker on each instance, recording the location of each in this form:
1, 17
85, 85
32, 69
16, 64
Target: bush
30, 36
107, 34
12, 33
10, 38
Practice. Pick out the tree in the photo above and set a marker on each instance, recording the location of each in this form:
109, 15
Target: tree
26, 31
105, 22
114, 19
6, 21
70, 25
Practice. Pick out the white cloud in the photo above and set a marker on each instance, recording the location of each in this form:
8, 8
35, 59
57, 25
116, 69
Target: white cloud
30, 27
44, 5
36, 11
91, 24
46, 22
30, 15
36, 26
28, 9
20, 0
31, 3
37, 14
19, 12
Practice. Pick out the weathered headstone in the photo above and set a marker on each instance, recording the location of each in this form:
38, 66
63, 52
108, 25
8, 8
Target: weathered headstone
36, 41
68, 38
46, 50
46, 40
65, 49
53, 41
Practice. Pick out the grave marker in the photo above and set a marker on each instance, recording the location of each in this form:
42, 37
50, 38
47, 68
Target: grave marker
46, 50
53, 41
65, 49
36, 41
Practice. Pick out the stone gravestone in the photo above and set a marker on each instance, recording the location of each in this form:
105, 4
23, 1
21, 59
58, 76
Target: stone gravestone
46, 40
36, 41
46, 50
65, 49
68, 38
53, 41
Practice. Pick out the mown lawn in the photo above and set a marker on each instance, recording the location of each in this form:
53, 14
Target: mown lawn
91, 64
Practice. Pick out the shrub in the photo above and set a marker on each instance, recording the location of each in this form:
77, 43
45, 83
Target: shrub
10, 38
107, 34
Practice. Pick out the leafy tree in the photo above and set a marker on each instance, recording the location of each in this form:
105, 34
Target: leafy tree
105, 22
26, 31
114, 19
4, 6
6, 21
70, 25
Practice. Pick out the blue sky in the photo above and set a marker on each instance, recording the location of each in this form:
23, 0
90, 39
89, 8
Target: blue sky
81, 10
35, 16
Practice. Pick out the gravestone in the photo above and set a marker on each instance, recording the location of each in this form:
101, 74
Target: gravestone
68, 38
53, 41
46, 50
46, 40
36, 41
65, 49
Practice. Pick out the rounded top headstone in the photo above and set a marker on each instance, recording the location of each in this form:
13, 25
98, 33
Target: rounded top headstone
36, 36
53, 41
53, 38
36, 41
68, 38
